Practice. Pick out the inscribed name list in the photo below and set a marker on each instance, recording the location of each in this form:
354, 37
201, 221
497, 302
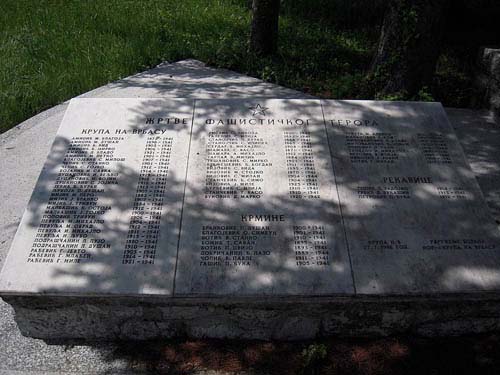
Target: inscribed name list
261, 214
415, 218
104, 215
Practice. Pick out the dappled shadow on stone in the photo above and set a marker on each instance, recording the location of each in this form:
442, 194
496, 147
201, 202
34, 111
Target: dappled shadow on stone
424, 216
104, 314
107, 275
192, 79
479, 135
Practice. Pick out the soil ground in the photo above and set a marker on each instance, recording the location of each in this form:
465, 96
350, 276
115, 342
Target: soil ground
393, 355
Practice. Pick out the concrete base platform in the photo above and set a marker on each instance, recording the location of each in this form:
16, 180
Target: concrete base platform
73, 318
109, 319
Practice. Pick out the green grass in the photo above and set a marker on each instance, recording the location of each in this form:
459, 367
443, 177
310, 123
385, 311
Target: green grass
53, 50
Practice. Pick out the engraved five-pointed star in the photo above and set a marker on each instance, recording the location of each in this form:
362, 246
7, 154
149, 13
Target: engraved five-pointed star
259, 110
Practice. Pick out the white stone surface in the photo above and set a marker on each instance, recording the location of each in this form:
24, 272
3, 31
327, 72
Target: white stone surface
273, 196
415, 218
77, 234
252, 162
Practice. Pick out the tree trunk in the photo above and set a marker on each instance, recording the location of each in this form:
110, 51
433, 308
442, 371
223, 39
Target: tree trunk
264, 35
409, 46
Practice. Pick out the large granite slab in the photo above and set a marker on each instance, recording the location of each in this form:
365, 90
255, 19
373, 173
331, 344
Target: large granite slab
415, 218
104, 215
261, 214
264, 218
269, 197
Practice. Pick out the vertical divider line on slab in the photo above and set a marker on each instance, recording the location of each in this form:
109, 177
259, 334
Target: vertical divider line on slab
183, 197
338, 197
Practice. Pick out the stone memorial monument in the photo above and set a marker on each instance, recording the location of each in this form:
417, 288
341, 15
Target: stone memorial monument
257, 218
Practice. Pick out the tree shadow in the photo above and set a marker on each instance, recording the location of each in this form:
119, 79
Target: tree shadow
479, 135
178, 270
410, 222
192, 79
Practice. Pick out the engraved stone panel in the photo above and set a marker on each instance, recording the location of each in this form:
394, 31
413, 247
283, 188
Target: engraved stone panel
261, 215
415, 218
104, 215
254, 197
